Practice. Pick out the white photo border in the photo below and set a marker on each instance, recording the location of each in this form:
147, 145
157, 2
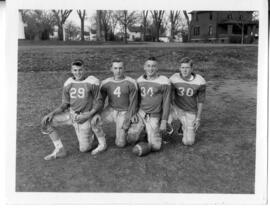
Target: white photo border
13, 197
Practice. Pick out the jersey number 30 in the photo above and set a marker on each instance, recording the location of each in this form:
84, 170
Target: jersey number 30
189, 92
74, 93
117, 91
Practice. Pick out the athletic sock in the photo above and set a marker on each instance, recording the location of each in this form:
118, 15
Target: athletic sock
58, 144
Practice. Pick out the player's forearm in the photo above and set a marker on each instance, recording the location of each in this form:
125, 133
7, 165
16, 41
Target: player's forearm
60, 109
199, 112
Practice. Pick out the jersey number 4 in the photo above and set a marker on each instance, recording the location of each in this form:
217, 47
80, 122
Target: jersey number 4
74, 93
117, 91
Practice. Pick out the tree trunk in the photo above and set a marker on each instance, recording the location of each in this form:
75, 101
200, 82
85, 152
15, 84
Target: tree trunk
172, 31
98, 25
60, 32
242, 34
157, 35
125, 36
188, 24
82, 29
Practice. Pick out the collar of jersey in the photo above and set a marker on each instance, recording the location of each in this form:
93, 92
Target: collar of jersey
145, 77
118, 81
83, 78
194, 76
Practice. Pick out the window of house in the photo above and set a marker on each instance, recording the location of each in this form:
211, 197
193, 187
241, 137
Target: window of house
196, 31
196, 16
210, 30
241, 17
211, 15
229, 16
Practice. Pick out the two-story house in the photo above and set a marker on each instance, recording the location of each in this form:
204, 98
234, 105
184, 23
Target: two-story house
223, 26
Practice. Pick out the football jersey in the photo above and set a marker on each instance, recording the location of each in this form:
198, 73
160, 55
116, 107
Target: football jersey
154, 96
79, 95
187, 94
122, 94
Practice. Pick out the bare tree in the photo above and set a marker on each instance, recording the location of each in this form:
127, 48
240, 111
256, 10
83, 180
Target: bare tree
82, 15
126, 19
61, 17
100, 36
144, 23
174, 18
188, 24
72, 30
157, 16
39, 24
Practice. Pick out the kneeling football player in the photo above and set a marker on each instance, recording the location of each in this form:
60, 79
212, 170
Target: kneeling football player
188, 93
122, 94
79, 92
154, 107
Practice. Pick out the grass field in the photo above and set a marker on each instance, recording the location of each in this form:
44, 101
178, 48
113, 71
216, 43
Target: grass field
221, 161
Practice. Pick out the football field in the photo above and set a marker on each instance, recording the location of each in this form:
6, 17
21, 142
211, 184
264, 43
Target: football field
221, 161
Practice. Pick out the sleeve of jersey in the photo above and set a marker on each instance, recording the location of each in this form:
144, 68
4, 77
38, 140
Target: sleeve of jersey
102, 94
166, 101
65, 96
172, 93
133, 100
201, 93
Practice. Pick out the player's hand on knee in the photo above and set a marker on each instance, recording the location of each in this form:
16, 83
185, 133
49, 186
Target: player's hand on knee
47, 119
126, 125
134, 119
196, 124
81, 118
95, 120
163, 126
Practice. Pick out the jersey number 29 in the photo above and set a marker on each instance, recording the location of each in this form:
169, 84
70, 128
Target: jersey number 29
74, 93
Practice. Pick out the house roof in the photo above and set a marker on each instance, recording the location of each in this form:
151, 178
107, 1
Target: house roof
120, 34
93, 31
135, 28
199, 12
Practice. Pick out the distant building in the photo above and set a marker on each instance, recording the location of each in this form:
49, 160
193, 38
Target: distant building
223, 26
93, 35
134, 33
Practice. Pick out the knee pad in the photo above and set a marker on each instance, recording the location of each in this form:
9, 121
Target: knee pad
46, 129
84, 148
120, 143
156, 146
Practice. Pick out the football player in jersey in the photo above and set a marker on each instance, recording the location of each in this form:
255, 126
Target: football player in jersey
79, 92
122, 94
154, 105
188, 96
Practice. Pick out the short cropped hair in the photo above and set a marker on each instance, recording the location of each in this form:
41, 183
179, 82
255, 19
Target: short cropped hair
152, 59
117, 60
186, 60
77, 62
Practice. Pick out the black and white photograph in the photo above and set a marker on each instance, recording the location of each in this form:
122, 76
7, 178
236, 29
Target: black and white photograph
134, 100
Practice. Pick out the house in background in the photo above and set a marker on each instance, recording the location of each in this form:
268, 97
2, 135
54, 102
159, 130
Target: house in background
223, 26
93, 34
134, 33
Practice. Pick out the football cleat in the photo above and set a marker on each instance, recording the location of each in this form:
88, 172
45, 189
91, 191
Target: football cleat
98, 149
180, 131
57, 153
170, 129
